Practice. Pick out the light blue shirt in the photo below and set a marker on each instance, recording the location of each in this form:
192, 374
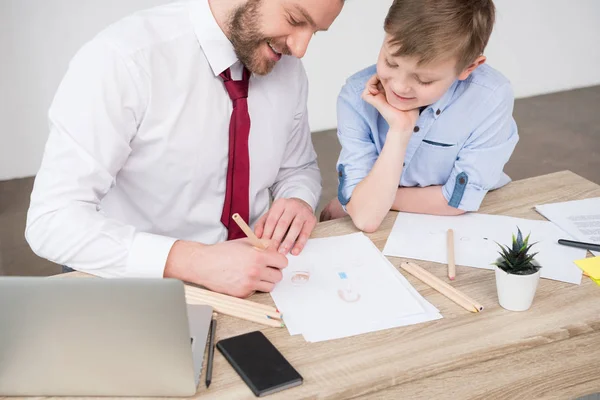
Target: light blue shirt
461, 142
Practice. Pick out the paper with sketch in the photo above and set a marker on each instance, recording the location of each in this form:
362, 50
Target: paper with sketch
579, 218
343, 286
423, 237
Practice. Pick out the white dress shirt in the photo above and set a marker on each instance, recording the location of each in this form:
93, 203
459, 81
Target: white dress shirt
138, 147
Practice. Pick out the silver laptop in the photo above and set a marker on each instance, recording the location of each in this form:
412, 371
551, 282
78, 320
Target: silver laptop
99, 337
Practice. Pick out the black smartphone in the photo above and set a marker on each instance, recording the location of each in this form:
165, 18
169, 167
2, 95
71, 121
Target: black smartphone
259, 363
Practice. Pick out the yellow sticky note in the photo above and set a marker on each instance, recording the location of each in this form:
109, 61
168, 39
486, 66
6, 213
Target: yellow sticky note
590, 265
596, 280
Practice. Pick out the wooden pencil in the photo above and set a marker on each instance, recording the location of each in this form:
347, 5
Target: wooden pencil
252, 316
190, 291
451, 264
472, 301
256, 242
453, 294
249, 308
469, 299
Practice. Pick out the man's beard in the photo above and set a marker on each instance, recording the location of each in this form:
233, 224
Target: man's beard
247, 39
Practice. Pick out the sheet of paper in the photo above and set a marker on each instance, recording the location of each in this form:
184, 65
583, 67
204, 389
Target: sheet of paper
343, 286
423, 237
431, 313
579, 218
591, 266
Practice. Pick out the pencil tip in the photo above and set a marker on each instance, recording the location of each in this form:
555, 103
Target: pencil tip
208, 384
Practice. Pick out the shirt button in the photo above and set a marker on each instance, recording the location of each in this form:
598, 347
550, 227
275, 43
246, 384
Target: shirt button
417, 129
462, 181
340, 174
404, 164
438, 112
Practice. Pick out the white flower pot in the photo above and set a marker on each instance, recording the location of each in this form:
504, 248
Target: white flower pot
516, 292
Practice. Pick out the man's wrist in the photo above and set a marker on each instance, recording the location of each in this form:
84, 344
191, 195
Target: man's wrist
304, 203
181, 259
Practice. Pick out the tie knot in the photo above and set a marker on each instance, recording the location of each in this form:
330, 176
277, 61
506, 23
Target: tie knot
237, 89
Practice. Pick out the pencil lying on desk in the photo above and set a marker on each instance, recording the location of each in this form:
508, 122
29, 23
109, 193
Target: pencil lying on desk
234, 307
451, 264
453, 294
249, 308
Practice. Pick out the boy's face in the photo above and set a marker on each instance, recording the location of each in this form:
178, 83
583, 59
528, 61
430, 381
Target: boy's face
262, 30
409, 85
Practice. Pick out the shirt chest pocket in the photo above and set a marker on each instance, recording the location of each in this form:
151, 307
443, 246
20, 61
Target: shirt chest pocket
433, 161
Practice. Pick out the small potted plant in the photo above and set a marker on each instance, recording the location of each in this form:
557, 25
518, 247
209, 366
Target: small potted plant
517, 274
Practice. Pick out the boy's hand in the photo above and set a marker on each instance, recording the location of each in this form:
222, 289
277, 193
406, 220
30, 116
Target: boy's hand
402, 121
333, 210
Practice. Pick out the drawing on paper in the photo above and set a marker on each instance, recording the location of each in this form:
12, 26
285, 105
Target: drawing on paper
300, 278
347, 293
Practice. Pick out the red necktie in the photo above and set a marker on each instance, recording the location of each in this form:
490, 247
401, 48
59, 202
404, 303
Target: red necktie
237, 192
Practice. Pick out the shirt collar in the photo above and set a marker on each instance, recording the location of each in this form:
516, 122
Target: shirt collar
439, 106
217, 48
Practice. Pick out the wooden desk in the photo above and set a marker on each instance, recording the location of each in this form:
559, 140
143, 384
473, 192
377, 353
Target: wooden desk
550, 351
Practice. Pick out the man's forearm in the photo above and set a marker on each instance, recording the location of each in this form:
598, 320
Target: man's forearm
423, 200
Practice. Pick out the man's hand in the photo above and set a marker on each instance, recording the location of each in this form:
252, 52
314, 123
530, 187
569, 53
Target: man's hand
399, 121
333, 210
234, 267
288, 224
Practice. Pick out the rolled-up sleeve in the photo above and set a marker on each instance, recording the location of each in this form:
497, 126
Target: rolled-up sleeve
359, 152
480, 163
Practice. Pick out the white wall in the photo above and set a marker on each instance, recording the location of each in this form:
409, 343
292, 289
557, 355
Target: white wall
37, 40
545, 46
541, 45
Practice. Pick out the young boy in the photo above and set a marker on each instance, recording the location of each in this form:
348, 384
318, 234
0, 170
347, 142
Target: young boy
429, 128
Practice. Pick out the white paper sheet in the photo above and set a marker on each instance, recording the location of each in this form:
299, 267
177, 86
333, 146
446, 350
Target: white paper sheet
423, 237
343, 286
579, 218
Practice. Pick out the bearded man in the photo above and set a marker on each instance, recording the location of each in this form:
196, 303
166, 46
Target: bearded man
169, 122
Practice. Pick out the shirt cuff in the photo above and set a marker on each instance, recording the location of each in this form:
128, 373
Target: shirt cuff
462, 194
303, 194
148, 255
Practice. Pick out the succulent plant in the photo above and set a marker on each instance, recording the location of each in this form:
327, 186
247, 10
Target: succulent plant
517, 260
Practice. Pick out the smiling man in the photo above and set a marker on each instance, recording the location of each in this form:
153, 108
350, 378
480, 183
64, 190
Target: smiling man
169, 122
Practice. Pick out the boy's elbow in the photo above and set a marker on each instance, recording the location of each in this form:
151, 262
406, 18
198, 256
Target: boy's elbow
451, 211
366, 223
363, 219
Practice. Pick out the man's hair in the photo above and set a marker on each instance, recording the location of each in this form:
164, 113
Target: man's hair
437, 29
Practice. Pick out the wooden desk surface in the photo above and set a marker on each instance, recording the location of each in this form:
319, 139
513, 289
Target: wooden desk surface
550, 351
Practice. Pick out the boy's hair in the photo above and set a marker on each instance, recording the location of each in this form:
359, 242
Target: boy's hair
434, 29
